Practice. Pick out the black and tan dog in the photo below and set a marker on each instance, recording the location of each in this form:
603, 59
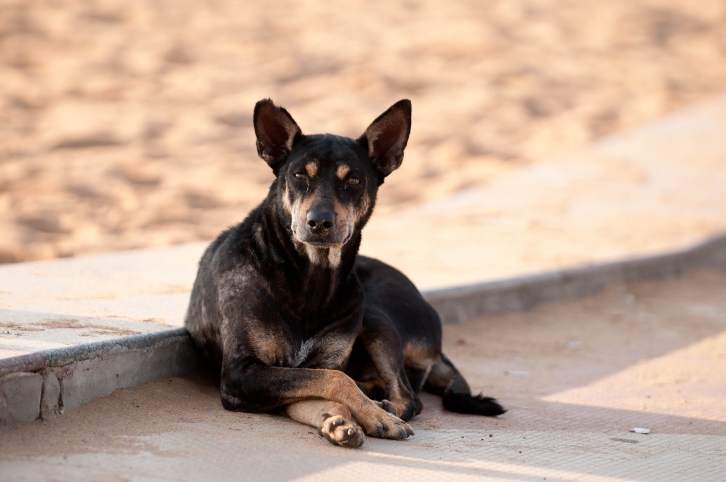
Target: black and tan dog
294, 319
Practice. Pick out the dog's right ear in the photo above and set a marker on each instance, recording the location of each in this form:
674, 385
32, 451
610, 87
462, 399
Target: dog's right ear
276, 133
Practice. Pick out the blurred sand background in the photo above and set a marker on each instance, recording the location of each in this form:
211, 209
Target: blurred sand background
128, 124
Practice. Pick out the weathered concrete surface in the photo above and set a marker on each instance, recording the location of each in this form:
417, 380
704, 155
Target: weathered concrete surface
19, 398
637, 355
50, 402
66, 302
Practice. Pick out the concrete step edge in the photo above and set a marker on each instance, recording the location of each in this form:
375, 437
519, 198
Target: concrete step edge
52, 382
462, 303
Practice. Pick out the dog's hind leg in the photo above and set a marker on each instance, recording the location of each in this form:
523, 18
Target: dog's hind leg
333, 421
445, 380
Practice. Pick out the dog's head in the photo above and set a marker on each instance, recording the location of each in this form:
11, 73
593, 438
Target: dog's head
327, 184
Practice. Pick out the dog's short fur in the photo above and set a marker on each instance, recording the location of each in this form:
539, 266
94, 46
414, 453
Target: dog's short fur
289, 314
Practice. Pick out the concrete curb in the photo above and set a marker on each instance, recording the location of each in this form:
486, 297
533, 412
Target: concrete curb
456, 305
51, 382
46, 383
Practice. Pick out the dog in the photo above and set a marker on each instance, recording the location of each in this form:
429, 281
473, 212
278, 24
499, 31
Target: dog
293, 319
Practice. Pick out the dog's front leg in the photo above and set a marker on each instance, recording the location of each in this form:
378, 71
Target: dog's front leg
257, 387
332, 419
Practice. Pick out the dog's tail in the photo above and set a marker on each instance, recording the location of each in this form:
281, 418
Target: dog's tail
445, 380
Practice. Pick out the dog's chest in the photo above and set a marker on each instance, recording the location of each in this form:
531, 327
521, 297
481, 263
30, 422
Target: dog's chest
328, 351
297, 356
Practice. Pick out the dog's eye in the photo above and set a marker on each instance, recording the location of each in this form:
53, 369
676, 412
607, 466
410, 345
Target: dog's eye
353, 181
300, 175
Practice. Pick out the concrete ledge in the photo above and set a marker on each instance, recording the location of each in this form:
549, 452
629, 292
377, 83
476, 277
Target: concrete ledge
51, 382
456, 305
63, 356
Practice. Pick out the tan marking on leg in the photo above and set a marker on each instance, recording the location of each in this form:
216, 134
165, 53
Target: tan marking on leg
369, 385
440, 375
311, 168
418, 355
339, 387
333, 421
396, 390
309, 411
377, 352
342, 171
376, 421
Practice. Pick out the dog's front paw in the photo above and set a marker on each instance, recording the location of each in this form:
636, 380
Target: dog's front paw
339, 431
386, 425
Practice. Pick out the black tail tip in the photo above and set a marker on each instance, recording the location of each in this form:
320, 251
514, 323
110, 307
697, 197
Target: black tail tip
472, 405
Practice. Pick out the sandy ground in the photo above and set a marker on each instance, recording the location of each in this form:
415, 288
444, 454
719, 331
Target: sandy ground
648, 355
128, 124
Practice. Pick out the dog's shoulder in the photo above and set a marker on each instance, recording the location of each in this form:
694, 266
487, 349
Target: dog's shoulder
231, 249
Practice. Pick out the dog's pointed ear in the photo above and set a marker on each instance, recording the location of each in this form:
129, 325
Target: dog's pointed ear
387, 136
276, 133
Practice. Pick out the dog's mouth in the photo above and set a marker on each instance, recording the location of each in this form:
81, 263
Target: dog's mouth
321, 244
328, 240
323, 241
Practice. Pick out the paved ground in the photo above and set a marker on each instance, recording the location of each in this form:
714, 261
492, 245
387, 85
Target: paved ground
648, 355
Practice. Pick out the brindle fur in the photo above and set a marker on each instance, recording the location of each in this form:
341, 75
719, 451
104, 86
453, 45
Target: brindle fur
288, 313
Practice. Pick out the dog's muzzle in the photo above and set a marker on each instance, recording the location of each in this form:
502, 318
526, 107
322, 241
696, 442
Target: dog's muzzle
322, 229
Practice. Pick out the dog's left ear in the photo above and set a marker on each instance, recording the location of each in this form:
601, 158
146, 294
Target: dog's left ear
276, 133
387, 136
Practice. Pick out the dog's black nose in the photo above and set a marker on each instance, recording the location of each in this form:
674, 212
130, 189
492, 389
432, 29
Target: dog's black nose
320, 220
